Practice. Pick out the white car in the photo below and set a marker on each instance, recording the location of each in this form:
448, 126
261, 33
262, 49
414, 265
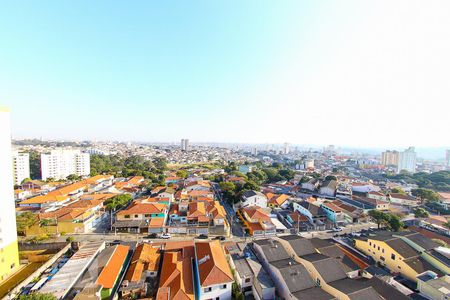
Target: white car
337, 229
165, 236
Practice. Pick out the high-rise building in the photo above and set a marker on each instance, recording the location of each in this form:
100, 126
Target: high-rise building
286, 148
59, 164
447, 157
21, 166
9, 253
407, 160
185, 145
389, 158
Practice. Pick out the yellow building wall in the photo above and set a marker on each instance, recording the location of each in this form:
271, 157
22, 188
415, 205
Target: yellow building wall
63, 227
396, 265
9, 257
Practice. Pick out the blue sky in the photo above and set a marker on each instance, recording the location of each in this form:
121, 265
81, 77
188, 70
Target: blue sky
307, 72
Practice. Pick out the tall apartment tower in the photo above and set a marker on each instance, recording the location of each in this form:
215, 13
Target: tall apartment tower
21, 166
389, 158
447, 158
9, 252
59, 164
286, 148
407, 160
185, 145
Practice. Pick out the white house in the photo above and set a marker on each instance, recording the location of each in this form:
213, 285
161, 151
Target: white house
403, 199
213, 271
364, 187
311, 185
328, 188
253, 198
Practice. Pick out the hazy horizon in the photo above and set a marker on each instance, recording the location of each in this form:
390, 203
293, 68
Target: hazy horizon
370, 74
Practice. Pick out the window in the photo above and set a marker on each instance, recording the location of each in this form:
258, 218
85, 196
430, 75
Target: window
370, 243
207, 290
127, 216
393, 256
224, 286
147, 215
136, 216
399, 267
378, 248
382, 258
318, 282
247, 280
382, 250
217, 298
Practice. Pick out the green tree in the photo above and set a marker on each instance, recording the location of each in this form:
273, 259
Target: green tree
25, 220
378, 216
38, 296
425, 194
116, 202
182, 173
160, 163
330, 177
420, 213
287, 173
398, 190
35, 164
394, 222
25, 180
73, 177
447, 224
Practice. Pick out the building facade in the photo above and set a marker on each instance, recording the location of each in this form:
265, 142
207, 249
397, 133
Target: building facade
407, 161
21, 167
9, 253
389, 158
59, 164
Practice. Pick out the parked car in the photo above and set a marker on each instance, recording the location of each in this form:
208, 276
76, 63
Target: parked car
202, 236
152, 236
115, 242
336, 229
220, 238
165, 236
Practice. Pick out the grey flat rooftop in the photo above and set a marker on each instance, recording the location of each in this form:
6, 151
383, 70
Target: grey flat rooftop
242, 266
66, 277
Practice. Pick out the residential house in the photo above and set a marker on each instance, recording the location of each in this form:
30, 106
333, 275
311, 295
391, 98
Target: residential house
328, 188
402, 199
315, 213
377, 196
249, 273
372, 202
434, 287
142, 217
253, 198
20, 195
311, 185
104, 274
277, 200
444, 200
364, 187
144, 266
176, 279
407, 253
80, 216
334, 213
214, 274
291, 279
257, 221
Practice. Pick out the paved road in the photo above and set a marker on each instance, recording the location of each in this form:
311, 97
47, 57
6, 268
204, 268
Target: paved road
347, 229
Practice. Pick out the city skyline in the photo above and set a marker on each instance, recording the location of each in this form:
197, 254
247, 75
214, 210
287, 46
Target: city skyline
219, 73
